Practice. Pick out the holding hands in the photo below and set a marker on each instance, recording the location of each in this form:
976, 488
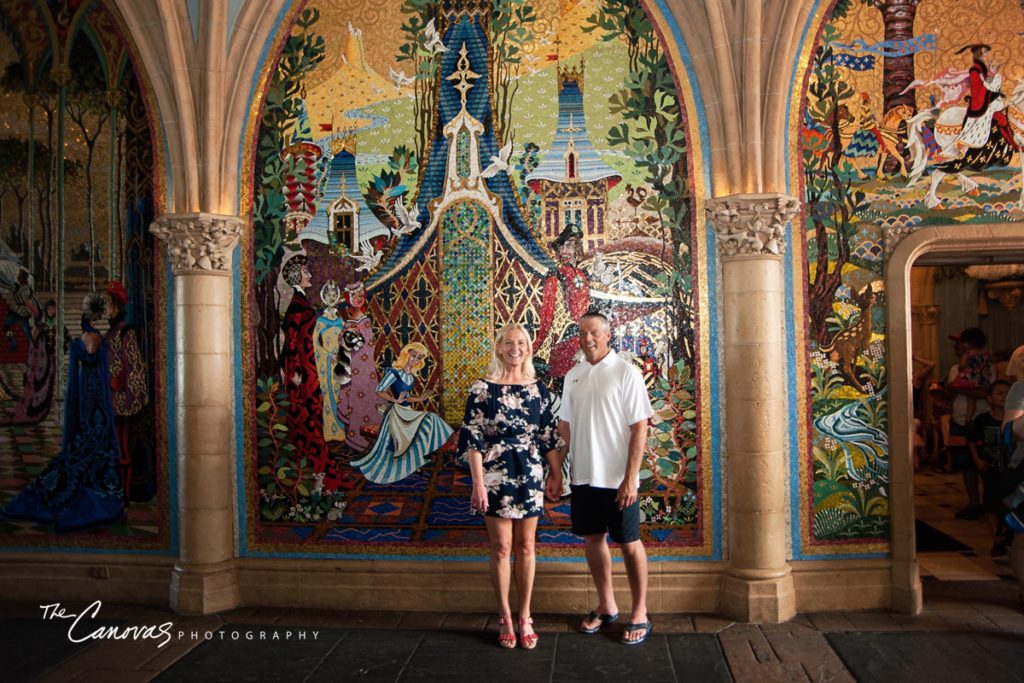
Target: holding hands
553, 484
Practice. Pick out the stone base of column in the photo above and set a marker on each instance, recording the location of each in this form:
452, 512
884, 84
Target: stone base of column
204, 589
906, 587
759, 601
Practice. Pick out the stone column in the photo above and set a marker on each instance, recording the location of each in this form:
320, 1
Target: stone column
200, 247
751, 232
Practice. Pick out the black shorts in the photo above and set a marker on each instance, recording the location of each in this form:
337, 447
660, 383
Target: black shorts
594, 511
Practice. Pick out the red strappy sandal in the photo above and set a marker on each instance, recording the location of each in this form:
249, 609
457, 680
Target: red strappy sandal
527, 641
505, 640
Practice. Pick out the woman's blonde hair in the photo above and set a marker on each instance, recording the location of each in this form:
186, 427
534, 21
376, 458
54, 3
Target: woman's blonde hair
403, 357
495, 367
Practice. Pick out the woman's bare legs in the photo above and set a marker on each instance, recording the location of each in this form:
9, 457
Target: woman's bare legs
499, 535
524, 533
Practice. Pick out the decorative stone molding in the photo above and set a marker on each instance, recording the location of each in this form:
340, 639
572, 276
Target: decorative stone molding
926, 314
199, 242
894, 234
1006, 292
752, 223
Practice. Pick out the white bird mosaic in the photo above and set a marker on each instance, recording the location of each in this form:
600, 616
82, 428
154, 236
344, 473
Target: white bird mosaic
499, 163
433, 39
407, 224
368, 257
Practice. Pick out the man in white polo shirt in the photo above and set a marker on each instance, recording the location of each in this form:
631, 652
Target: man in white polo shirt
603, 419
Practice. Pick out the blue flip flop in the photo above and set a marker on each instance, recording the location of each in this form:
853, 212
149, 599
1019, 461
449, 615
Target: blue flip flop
605, 619
646, 627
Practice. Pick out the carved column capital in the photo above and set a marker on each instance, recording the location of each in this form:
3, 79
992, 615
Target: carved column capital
199, 242
752, 223
925, 314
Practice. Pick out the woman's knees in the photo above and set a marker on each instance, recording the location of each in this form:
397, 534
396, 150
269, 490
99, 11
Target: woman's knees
501, 549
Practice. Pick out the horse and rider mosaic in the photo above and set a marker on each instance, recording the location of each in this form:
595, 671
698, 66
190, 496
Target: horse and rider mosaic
520, 162
911, 118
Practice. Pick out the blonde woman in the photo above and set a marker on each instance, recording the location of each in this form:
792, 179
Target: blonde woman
407, 436
508, 430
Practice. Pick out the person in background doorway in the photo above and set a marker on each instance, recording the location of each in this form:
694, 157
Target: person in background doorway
983, 442
969, 380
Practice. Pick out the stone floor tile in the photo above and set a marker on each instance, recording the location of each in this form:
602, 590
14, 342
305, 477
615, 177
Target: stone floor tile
744, 644
873, 621
59, 676
796, 644
262, 658
710, 623
926, 656
968, 621
469, 622
831, 621
673, 623
167, 656
380, 620
302, 616
1013, 623
119, 675
773, 672
920, 622
552, 623
368, 656
601, 657
803, 620
475, 655
422, 621
698, 657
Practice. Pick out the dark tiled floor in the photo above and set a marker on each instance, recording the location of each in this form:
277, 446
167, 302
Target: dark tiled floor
968, 631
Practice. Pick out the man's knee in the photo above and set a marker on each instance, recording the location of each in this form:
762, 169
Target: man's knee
633, 549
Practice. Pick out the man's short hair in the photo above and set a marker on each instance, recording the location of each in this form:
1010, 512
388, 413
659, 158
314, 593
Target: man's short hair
598, 315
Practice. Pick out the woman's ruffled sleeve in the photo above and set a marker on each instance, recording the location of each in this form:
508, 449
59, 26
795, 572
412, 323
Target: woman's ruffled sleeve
471, 435
548, 438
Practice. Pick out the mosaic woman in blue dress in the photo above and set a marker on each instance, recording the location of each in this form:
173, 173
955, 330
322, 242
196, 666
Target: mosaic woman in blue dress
508, 431
80, 487
407, 436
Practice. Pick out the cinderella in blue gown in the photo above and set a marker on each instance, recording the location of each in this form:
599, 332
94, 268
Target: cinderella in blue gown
80, 487
407, 436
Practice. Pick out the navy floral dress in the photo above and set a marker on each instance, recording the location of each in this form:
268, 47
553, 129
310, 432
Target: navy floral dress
513, 426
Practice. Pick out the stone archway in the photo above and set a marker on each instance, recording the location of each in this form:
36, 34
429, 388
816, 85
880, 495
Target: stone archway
949, 241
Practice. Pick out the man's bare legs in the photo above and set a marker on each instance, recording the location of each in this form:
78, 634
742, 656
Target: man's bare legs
599, 560
635, 558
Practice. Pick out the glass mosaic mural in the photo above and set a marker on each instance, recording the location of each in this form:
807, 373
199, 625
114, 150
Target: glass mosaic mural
911, 118
82, 414
420, 178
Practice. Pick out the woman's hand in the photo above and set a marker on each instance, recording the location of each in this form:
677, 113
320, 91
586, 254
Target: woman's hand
478, 499
553, 484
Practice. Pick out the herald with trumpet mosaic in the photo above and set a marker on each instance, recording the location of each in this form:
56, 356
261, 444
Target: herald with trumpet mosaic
910, 118
521, 161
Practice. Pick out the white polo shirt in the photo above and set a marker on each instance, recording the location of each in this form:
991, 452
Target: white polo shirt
600, 402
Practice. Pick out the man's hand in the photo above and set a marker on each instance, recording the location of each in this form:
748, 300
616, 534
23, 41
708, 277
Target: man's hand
626, 494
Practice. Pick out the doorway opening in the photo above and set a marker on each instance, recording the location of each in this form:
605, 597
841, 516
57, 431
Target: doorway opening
929, 300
